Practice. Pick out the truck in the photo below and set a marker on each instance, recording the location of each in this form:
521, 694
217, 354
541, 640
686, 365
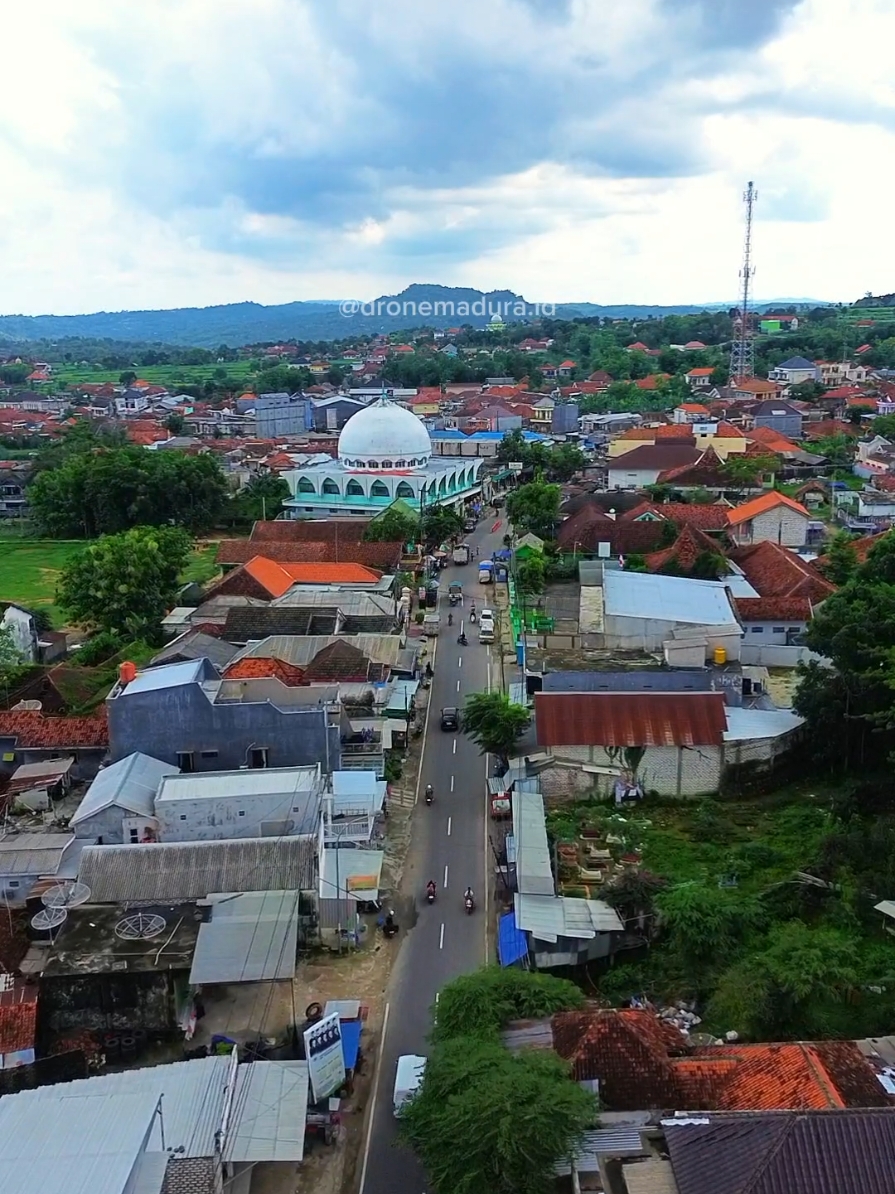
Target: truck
486, 572
408, 1079
461, 553
431, 624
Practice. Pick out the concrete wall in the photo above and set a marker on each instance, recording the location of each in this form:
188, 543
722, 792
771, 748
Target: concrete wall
213, 820
781, 525
766, 634
106, 825
16, 887
766, 655
622, 478
650, 634
668, 770
169, 720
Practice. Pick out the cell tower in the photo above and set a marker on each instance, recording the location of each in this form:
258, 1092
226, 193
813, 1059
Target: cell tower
742, 357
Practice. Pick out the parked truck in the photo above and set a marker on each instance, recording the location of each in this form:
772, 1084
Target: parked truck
461, 553
486, 572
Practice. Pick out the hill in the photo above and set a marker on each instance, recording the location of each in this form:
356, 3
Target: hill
236, 324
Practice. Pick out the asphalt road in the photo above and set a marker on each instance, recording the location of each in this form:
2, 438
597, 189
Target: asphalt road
448, 845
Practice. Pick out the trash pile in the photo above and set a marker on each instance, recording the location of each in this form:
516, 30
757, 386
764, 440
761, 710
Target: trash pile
681, 1015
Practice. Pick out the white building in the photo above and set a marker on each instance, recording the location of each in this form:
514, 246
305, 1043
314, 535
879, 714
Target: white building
793, 371
384, 454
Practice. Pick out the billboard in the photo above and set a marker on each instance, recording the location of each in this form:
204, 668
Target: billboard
326, 1062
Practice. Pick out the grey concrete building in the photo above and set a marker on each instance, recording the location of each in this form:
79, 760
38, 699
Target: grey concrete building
283, 414
119, 806
185, 714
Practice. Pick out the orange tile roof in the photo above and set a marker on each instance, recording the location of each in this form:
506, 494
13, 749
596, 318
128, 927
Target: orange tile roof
38, 731
694, 407
18, 1018
760, 505
278, 578
258, 669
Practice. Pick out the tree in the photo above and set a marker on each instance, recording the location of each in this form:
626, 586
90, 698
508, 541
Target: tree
884, 425
392, 526
531, 574
261, 498
705, 923
125, 583
840, 560
838, 450
564, 461
481, 1003
535, 508
440, 524
489, 1120
12, 664
781, 989
494, 723
127, 378
806, 391
747, 471
175, 422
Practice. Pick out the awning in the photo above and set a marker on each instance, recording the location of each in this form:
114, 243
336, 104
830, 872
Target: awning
271, 1101
249, 938
351, 1030
39, 775
352, 873
512, 943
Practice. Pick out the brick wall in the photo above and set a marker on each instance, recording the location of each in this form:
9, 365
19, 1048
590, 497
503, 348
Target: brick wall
781, 525
668, 770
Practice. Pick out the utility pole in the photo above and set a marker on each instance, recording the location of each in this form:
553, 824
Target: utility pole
742, 355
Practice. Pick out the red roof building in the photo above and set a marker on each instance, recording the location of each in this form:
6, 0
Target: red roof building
630, 719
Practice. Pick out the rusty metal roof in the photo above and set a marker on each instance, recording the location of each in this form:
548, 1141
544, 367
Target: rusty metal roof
630, 719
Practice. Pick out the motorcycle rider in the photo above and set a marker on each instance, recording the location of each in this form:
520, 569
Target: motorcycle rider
462, 640
430, 889
450, 619
430, 792
468, 896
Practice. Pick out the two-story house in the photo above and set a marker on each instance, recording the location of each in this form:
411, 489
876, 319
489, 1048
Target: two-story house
690, 412
770, 518
700, 378
778, 416
131, 402
839, 373
542, 414
794, 371
187, 715
14, 478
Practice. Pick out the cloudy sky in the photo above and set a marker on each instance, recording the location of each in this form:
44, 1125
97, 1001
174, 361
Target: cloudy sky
161, 153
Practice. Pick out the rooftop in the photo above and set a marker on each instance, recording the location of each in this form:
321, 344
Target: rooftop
630, 719
761, 505
248, 937
87, 942
131, 784
227, 785
666, 598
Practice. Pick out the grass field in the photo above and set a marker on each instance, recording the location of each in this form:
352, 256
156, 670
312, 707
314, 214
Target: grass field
30, 568
162, 375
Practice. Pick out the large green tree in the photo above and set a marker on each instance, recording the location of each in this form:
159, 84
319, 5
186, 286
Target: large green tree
261, 499
125, 583
110, 490
440, 524
393, 526
535, 508
481, 1003
840, 560
494, 722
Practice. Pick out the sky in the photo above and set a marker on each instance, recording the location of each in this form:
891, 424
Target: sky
191, 152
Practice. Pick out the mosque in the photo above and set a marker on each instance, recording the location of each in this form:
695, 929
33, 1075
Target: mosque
384, 454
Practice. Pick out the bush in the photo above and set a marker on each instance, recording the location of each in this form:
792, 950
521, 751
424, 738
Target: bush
99, 648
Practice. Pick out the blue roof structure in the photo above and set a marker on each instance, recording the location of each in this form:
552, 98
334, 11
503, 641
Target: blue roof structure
512, 943
351, 1030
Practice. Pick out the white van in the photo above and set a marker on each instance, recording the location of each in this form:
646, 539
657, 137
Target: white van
408, 1079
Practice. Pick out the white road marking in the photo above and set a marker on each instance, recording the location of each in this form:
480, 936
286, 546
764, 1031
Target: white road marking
441, 937
445, 875
452, 783
455, 746
449, 826
458, 686
381, 1054
460, 661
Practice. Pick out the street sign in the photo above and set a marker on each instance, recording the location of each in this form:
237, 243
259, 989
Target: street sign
326, 1062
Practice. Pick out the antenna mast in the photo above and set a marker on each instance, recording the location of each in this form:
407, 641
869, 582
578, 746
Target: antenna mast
742, 357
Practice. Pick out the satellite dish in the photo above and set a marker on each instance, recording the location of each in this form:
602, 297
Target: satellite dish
48, 919
66, 895
140, 926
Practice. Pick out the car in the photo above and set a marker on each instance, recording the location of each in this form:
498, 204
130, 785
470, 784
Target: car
450, 718
486, 615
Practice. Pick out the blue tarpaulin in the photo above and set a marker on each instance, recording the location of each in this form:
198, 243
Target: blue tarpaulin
512, 943
351, 1030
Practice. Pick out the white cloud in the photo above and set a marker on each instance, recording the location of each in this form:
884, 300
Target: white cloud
192, 152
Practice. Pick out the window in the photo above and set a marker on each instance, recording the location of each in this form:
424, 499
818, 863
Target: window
387, 464
209, 754
306, 486
296, 810
354, 488
185, 760
242, 812
379, 489
404, 490
372, 464
757, 629
135, 836
183, 816
13, 883
329, 486
258, 756
779, 630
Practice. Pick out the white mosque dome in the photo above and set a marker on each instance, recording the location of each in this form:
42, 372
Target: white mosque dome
384, 437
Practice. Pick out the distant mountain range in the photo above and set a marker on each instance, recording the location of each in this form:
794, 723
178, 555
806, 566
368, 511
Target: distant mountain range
236, 324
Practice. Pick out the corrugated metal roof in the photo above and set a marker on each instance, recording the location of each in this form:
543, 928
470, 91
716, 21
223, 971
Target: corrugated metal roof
33, 853
629, 719
533, 870
251, 937
181, 871
337, 914
261, 781
548, 918
666, 598
645, 680
354, 873
613, 1142
38, 775
301, 649
747, 724
131, 784
272, 1102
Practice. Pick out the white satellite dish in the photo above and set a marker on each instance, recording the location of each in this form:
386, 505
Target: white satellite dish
48, 919
140, 926
66, 895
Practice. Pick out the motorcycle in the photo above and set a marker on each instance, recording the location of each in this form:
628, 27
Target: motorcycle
390, 925
462, 640
430, 794
469, 904
472, 617
430, 893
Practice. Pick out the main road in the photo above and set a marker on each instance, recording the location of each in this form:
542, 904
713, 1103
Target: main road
449, 844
